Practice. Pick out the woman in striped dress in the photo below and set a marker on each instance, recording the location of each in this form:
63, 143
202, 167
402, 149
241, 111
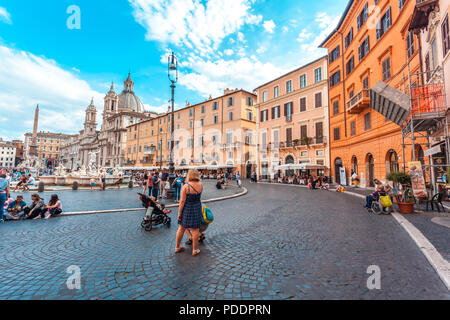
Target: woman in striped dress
190, 211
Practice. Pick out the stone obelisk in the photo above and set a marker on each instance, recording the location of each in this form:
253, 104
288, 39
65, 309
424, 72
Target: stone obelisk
33, 147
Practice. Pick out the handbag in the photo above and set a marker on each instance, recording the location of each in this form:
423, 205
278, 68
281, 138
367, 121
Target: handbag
386, 201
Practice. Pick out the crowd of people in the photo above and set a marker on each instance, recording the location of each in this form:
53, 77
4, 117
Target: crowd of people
18, 209
313, 182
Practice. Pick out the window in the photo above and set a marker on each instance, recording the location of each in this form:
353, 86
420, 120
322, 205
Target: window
215, 106
319, 153
337, 134
264, 115
364, 48
401, 3
387, 68
202, 122
276, 112
318, 99
304, 154
384, 24
362, 17
334, 54
410, 44
264, 96
427, 66
230, 101
303, 132
319, 132
350, 65
303, 81
289, 86
249, 115
318, 75
230, 116
352, 128
289, 136
445, 36
203, 109
249, 101
335, 78
216, 119
303, 104
366, 83
288, 111
349, 38
191, 113
367, 124
336, 107
276, 92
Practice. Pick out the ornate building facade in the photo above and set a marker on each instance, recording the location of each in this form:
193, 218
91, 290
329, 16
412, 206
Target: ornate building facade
109, 142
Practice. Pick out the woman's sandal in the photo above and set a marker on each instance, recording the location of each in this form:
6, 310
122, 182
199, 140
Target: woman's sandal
196, 252
189, 242
180, 249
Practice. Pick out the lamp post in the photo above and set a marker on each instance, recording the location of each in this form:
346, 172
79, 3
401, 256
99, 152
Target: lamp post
172, 73
173, 77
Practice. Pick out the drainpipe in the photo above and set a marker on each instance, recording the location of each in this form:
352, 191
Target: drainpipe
343, 82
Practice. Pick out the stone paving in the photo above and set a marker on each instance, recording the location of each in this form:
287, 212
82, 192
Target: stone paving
276, 242
86, 200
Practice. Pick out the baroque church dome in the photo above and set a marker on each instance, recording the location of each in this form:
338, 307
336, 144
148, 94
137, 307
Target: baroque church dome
128, 101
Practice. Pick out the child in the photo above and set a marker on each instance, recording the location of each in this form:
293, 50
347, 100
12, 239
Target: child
54, 207
92, 184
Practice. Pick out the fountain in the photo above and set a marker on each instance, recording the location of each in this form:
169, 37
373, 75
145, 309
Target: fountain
84, 175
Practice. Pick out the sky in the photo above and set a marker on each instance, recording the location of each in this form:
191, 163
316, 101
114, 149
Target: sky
52, 56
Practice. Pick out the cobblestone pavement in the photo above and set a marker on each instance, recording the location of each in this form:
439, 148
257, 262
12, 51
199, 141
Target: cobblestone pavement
276, 242
86, 200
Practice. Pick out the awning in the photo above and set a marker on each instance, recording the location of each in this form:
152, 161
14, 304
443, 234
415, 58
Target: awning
301, 166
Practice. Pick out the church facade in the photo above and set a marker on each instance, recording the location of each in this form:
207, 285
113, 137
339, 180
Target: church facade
109, 142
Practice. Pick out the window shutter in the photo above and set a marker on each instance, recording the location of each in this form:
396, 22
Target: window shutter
273, 113
285, 110
261, 118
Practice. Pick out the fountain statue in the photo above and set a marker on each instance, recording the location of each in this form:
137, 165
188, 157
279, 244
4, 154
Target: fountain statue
92, 164
32, 162
60, 170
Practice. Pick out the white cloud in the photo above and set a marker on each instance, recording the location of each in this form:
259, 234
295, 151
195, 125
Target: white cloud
5, 16
211, 78
228, 52
198, 25
304, 35
27, 80
269, 26
261, 50
285, 29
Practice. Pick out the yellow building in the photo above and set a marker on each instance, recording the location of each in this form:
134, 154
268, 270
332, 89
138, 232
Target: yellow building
219, 133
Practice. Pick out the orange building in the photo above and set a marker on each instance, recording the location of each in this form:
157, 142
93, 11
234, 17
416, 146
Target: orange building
218, 132
293, 121
371, 43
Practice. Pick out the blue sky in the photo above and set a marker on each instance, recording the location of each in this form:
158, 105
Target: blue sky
220, 44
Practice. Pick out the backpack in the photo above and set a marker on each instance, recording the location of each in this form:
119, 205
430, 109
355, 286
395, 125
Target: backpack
207, 216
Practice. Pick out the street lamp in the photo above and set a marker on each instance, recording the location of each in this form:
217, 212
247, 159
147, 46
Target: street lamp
173, 77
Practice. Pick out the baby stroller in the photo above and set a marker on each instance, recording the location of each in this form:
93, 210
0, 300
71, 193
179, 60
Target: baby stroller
156, 214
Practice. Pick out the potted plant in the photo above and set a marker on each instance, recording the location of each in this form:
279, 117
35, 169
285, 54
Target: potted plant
405, 199
306, 141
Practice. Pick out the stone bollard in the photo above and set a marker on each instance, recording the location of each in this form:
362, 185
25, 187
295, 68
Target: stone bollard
130, 184
41, 186
75, 186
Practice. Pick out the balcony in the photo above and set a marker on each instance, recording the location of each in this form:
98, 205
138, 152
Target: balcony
150, 151
421, 13
147, 160
358, 102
